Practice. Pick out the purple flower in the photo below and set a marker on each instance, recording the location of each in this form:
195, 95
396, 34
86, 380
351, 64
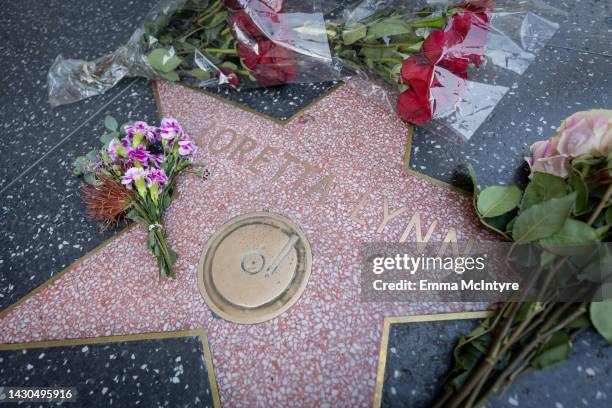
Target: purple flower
114, 149
156, 176
170, 128
186, 146
149, 132
156, 159
140, 153
132, 176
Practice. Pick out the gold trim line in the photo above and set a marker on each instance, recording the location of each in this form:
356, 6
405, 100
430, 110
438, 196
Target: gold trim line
384, 341
132, 337
423, 176
245, 108
61, 273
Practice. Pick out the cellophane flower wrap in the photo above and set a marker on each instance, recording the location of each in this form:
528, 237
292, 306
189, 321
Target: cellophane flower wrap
133, 177
446, 64
207, 44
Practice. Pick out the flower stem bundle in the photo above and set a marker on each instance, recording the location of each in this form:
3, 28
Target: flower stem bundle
133, 177
426, 54
565, 215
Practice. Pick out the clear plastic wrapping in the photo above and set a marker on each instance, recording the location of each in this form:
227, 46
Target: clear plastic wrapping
441, 64
206, 43
447, 78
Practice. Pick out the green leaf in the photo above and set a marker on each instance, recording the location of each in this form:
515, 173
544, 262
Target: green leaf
433, 22
601, 316
574, 238
543, 187
200, 74
218, 19
110, 123
609, 216
92, 155
170, 76
580, 323
542, 220
388, 27
474, 180
354, 33
230, 65
578, 185
501, 224
163, 61
555, 351
376, 54
90, 178
79, 166
600, 269
106, 138
497, 200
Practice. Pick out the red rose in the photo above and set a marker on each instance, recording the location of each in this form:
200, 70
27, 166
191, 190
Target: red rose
416, 68
476, 6
457, 66
458, 28
275, 5
270, 63
227, 76
436, 76
414, 108
242, 25
233, 4
433, 46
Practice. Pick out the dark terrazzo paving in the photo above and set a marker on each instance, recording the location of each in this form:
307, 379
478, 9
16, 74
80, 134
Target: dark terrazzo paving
42, 220
569, 75
586, 27
44, 227
279, 102
147, 373
419, 355
33, 33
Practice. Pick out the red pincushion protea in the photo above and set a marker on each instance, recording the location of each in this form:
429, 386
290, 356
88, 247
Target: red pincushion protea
106, 201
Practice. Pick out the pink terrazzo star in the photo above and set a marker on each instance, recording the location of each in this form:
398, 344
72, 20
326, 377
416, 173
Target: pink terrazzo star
333, 170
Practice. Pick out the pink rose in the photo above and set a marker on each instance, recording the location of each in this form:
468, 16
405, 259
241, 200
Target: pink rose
588, 132
556, 165
545, 158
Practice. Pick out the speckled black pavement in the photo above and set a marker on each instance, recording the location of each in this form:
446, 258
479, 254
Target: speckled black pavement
420, 354
154, 372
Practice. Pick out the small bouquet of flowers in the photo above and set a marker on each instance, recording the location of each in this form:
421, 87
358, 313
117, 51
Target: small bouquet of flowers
566, 214
133, 176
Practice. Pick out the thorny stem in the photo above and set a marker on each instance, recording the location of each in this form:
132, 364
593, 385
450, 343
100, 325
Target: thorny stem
479, 378
488, 363
602, 204
537, 340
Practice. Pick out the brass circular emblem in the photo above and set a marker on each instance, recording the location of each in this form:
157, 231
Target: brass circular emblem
255, 267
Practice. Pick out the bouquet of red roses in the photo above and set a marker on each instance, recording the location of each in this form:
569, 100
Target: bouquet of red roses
431, 53
427, 55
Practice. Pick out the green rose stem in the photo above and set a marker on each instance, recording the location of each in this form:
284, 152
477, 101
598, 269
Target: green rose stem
214, 9
544, 334
500, 345
230, 51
